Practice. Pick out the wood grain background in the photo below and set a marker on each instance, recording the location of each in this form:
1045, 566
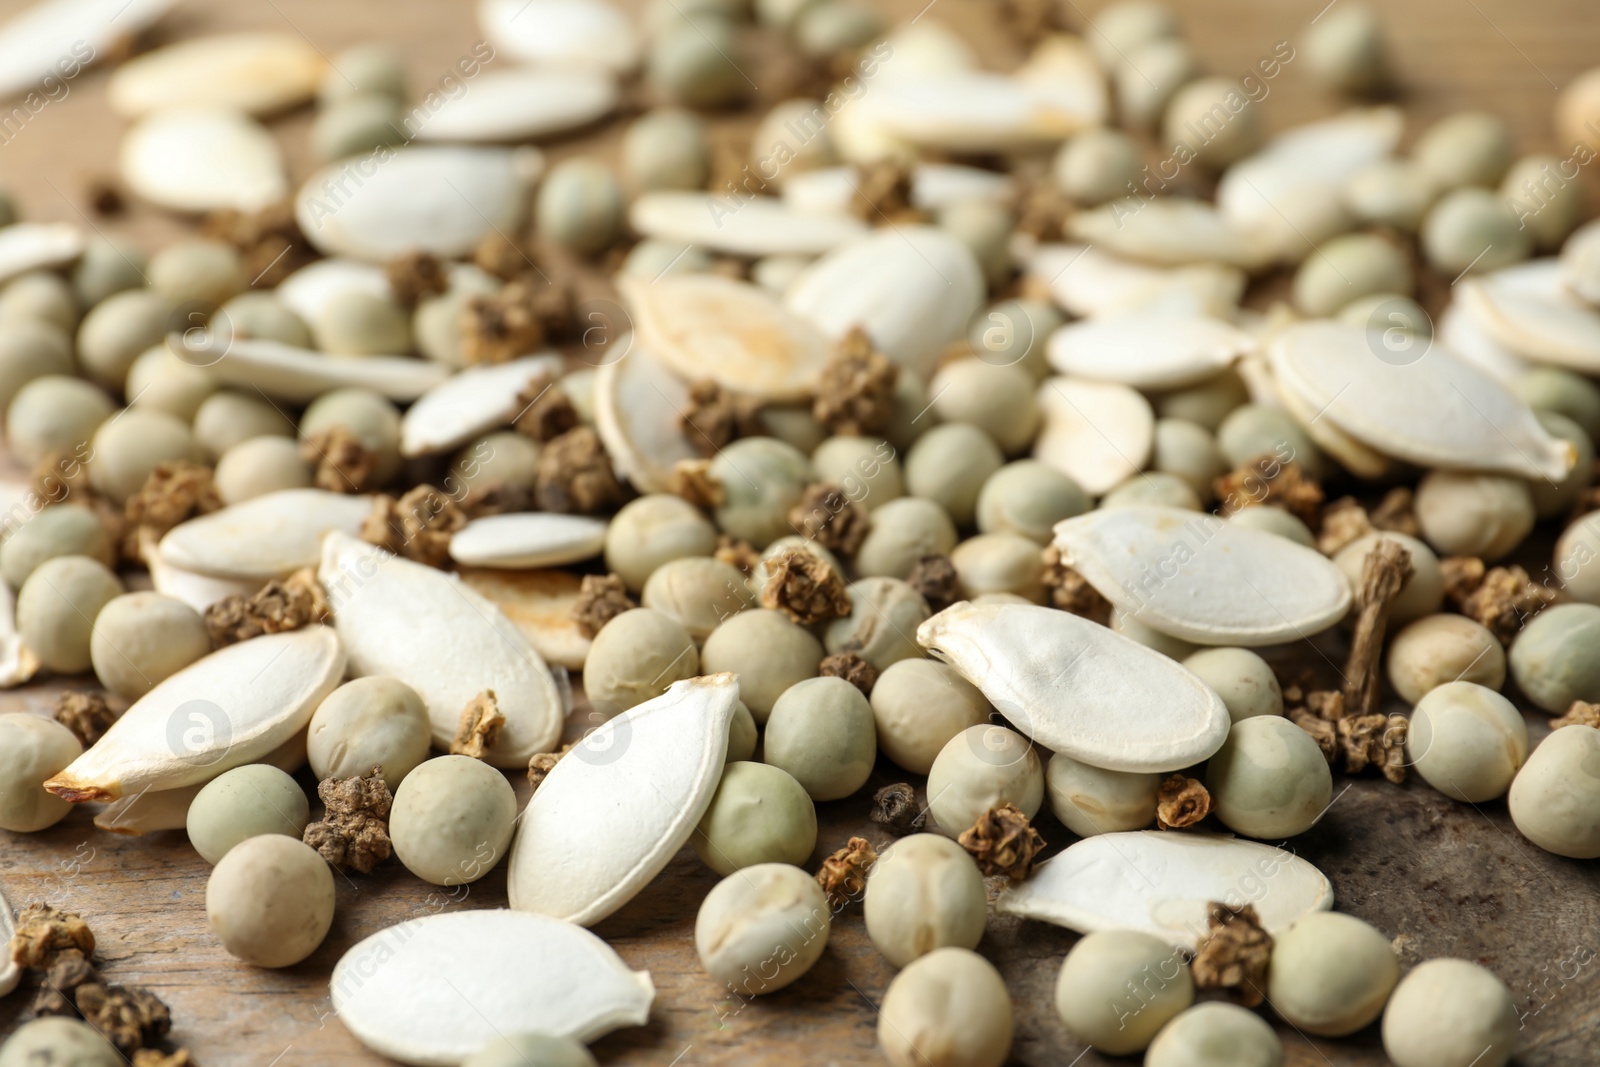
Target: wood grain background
1443, 878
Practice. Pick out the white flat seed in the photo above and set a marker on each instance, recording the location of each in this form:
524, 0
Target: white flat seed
638, 408
1354, 456
230, 708
1194, 576
1580, 262
561, 32
934, 186
257, 73
973, 111
56, 38
757, 226
735, 333
1092, 283
1148, 351
539, 604
17, 664
639, 783
470, 404
1065, 73
1076, 687
299, 375
1435, 410
307, 291
1459, 331
151, 811
520, 105
528, 539
26, 246
199, 591
444, 640
433, 991
10, 970
432, 198
203, 159
265, 537
1163, 884
1170, 232
1096, 433
913, 289
1552, 326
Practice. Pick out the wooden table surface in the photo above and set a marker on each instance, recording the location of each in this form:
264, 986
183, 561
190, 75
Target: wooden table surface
1444, 878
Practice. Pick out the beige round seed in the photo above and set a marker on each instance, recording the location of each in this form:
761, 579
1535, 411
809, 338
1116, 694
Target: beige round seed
1438, 649
140, 639
33, 750
924, 893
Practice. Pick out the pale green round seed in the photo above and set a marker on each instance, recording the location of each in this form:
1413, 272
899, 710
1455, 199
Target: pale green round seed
436, 323
1241, 678
227, 418
924, 893
1251, 432
1216, 1034
531, 1050
829, 27
1189, 451
1146, 82
759, 814
372, 418
635, 657
369, 722
160, 381
373, 67
1467, 741
980, 769
39, 296
1450, 1013
55, 413
996, 399
140, 639
1015, 332
1153, 487
1552, 500
1097, 165
1330, 974
949, 464
1092, 800
1576, 550
1028, 498
1555, 799
1191, 121
1275, 521
31, 349
821, 731
1438, 649
1468, 148
260, 466
1469, 514
357, 323
118, 329
356, 125
666, 149
986, 228
768, 652
107, 266
698, 593
1206, 404
1349, 267
580, 206
792, 137
652, 531
1269, 779
261, 315
793, 424
452, 820
762, 478
866, 469
56, 608
1118, 988
952, 1000
1565, 393
918, 705
1345, 52
906, 423
59, 530
270, 900
1420, 594
742, 735
999, 563
696, 62
1124, 25
243, 803
761, 928
133, 444
1552, 658
1548, 203
1172, 647
198, 271
502, 458
900, 533
1472, 229
1387, 311
650, 259
56, 1039
33, 749
884, 616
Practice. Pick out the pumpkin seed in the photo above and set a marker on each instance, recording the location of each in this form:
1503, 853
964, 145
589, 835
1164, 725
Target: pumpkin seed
433, 991
640, 782
638, 408
973, 111
470, 404
1171, 232
308, 291
230, 708
1548, 326
522, 104
759, 226
1203, 580
529, 539
1580, 262
1090, 282
1162, 883
153, 810
203, 159
29, 246
263, 538
561, 32
934, 186
1076, 687
256, 73
539, 604
300, 375
443, 639
1096, 433
44, 35
1148, 352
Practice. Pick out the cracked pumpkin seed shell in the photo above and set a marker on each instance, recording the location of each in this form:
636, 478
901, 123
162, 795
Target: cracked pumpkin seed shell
266, 537
470, 404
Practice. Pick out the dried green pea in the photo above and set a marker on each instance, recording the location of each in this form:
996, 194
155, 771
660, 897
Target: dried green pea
502, 458
997, 399
793, 424
140, 639
33, 750
260, 315
1472, 229
1563, 392
696, 61
1092, 800
999, 563
59, 530
1467, 741
1251, 431
1269, 779
1216, 1034
270, 900
56, 608
1241, 678
768, 652
1028, 498
952, 1000
1468, 148
55, 414
907, 421
259, 466
1390, 192
1146, 82
821, 731
742, 735
762, 478
198, 271
366, 723
1552, 500
56, 1039
900, 533
884, 616
1118, 988
1450, 1013
653, 530
31, 349
130, 446
1190, 451
770, 917
918, 705
1096, 166
452, 820
1190, 121
227, 418
759, 814
373, 67
373, 419
650, 259
357, 323
924, 893
1548, 205
1437, 649
829, 27
531, 1050
1125, 25
1345, 51
1153, 487
355, 125
118, 329
1469, 514
161, 381
986, 228
666, 149
1015, 332
635, 657
106, 267
244, 803
1330, 974
791, 138
39, 296
1387, 311
580, 206
1348, 267
698, 593
1555, 798
1275, 521
1552, 657
1421, 594
982, 768
865, 469
1205, 404
949, 464
1134, 630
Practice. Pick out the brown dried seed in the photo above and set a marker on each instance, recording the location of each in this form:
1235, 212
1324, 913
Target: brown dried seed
67, 972
843, 876
804, 587
692, 480
1323, 732
546, 410
417, 526
935, 578
1345, 520
855, 392
149, 1057
104, 197
501, 256
1234, 956
1581, 713
883, 194
43, 931
499, 327
542, 763
1268, 481
340, 462
1181, 803
129, 1017
1071, 591
173, 493
831, 519
86, 714
1042, 209
1003, 842
737, 553
601, 598
270, 243
1383, 572
714, 416
354, 831
277, 607
1501, 599
852, 668
500, 498
479, 728
415, 276
576, 476
895, 807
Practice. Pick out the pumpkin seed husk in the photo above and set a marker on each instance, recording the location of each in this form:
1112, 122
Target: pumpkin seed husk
1460, 332
468, 405
29, 246
734, 333
638, 406
265, 537
1196, 577
1090, 282
640, 782
32, 43
256, 73
561, 32
1171, 232
832, 190
443, 639
973, 111
434, 990
1354, 456
1580, 262
153, 810
225, 710
1074, 686
1096, 433
17, 663
527, 539
540, 604
522, 104
1148, 351
1163, 884
300, 375
308, 290
198, 159
1547, 327
759, 226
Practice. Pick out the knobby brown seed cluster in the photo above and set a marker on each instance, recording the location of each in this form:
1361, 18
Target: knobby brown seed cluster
1003, 843
601, 598
1181, 802
353, 833
479, 727
85, 713
895, 808
805, 587
277, 607
1234, 956
843, 875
